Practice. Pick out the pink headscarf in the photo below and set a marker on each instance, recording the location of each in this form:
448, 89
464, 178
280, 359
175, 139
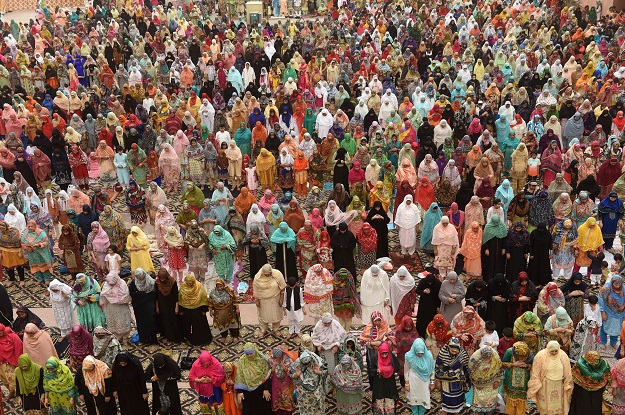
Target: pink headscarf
115, 290
100, 241
206, 366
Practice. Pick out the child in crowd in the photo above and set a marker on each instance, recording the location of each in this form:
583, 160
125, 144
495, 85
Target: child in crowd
506, 341
616, 265
592, 309
595, 270
605, 272
533, 166
113, 260
294, 306
491, 338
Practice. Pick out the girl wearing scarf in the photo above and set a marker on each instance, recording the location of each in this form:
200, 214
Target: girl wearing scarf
590, 239
611, 212
564, 241
167, 306
193, 302
105, 156
115, 300
347, 377
549, 299
60, 390
176, 253
98, 244
10, 350
420, 369
485, 373
591, 376
80, 345
86, 296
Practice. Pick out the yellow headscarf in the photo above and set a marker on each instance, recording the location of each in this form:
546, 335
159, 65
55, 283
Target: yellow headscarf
192, 294
589, 235
141, 240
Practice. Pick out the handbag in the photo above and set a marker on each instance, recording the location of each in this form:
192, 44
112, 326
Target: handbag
187, 361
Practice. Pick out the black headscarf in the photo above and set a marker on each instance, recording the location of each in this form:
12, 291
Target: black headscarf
6, 308
165, 367
570, 286
499, 286
20, 323
133, 367
590, 185
464, 195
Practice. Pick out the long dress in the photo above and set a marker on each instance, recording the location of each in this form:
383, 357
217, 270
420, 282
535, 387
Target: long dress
167, 320
494, 263
195, 326
129, 383
286, 260
539, 267
451, 371
428, 303
167, 386
90, 315
144, 306
384, 395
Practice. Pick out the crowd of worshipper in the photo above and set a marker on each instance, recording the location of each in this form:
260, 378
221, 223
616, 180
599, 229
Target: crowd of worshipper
448, 174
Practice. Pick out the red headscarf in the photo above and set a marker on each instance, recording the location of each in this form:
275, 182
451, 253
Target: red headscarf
10, 346
368, 238
385, 364
425, 193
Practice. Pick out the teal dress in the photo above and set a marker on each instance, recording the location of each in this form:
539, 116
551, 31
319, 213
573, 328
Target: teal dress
90, 315
508, 147
223, 258
39, 257
243, 139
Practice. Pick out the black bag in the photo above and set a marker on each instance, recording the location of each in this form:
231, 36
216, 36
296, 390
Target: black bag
125, 272
187, 361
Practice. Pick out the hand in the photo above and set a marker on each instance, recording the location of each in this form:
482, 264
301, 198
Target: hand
145, 396
486, 253
107, 399
432, 386
426, 291
258, 303
241, 398
335, 349
81, 303
154, 378
72, 402
114, 394
407, 387
452, 301
45, 402
267, 395
503, 251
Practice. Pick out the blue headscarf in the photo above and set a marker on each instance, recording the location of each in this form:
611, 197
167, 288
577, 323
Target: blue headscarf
610, 301
430, 220
422, 365
283, 234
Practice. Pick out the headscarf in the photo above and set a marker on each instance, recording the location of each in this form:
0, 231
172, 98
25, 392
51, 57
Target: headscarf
191, 294
94, 373
57, 377
115, 290
284, 234
143, 281
347, 376
485, 366
589, 235
326, 337
422, 365
592, 372
252, 369
495, 228
27, 379
385, 364
80, 342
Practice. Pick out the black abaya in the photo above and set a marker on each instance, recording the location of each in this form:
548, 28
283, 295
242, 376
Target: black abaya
517, 262
495, 262
253, 401
381, 228
341, 173
27, 173
129, 383
539, 268
144, 307
257, 256
477, 297
428, 302
6, 308
168, 321
286, 261
168, 378
195, 325
96, 405
343, 245
585, 402
498, 310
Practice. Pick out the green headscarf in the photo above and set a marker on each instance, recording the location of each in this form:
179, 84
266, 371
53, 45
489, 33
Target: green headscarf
349, 144
193, 195
223, 239
310, 120
59, 381
252, 369
495, 228
27, 379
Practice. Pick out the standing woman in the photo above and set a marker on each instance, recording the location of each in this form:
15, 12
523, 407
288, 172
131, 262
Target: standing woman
551, 382
451, 294
347, 378
257, 244
195, 240
618, 388
60, 299
611, 212
135, 200
138, 245
419, 372
438, 334
93, 381
252, 382
517, 250
11, 254
69, 243
384, 393
283, 243
86, 295
167, 306
115, 300
452, 376
29, 385
10, 350
223, 245
59, 387
193, 305
343, 243
575, 290
549, 299
269, 287
310, 376
105, 156
468, 327
224, 309
206, 376
591, 375
143, 294
485, 373
36, 245
494, 242
379, 219
164, 374
97, 246
612, 302
128, 385
428, 290
402, 295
